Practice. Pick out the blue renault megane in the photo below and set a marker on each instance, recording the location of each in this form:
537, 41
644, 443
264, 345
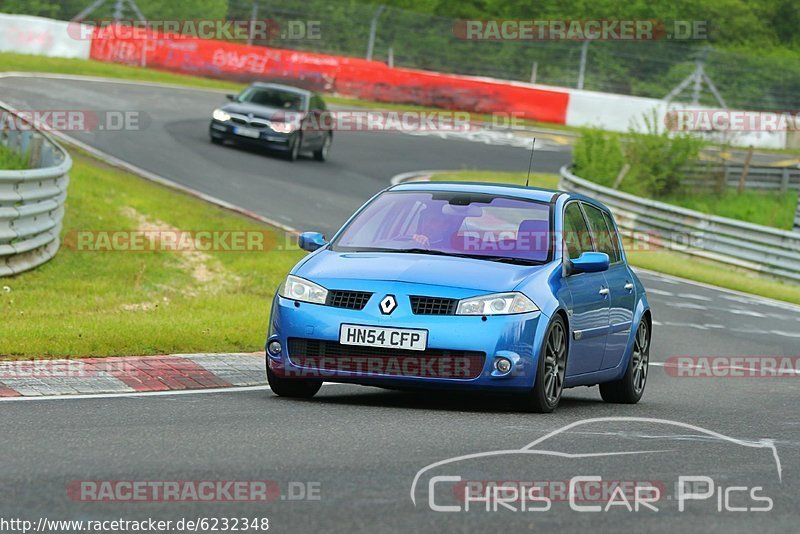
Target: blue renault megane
472, 286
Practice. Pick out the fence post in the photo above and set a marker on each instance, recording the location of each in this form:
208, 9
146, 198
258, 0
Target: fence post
35, 156
797, 217
785, 180
373, 28
745, 169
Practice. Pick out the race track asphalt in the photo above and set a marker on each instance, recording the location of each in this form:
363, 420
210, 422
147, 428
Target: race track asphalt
364, 446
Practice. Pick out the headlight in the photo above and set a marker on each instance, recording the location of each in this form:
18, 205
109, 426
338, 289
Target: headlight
221, 115
497, 304
296, 288
283, 127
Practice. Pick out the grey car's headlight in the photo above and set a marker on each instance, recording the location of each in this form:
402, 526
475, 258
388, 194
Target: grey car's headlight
297, 288
496, 304
284, 127
221, 115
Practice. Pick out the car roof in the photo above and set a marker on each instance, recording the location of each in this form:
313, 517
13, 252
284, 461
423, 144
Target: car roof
539, 194
289, 88
531, 193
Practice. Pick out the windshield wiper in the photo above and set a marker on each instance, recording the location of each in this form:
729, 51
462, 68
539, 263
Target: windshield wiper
507, 259
424, 251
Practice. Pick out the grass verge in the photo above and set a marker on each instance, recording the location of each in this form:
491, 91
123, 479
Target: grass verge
90, 302
663, 261
767, 208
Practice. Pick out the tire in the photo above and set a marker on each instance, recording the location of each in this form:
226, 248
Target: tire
294, 152
216, 140
630, 388
551, 370
322, 153
296, 388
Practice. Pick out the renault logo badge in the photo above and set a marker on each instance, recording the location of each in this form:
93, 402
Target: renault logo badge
388, 304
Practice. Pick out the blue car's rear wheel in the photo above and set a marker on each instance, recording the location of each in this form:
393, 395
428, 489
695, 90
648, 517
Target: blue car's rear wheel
549, 383
298, 388
630, 388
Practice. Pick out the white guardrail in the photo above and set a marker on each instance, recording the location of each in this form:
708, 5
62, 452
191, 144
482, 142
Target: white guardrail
31, 200
750, 246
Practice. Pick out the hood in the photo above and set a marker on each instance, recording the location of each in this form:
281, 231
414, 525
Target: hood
481, 275
263, 112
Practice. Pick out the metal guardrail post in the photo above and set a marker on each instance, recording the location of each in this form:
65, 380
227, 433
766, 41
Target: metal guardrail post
31, 200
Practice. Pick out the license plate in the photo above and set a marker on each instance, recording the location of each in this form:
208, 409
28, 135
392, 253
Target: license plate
390, 338
247, 132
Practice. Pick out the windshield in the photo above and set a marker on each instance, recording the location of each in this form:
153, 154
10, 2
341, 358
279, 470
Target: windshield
274, 98
453, 223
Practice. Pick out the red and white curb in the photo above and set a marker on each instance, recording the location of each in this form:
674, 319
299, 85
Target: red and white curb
38, 378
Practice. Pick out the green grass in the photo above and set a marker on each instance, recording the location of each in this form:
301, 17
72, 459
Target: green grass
104, 303
11, 160
701, 270
663, 261
768, 208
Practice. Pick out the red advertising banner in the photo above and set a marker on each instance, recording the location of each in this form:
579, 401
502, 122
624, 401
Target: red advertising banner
360, 78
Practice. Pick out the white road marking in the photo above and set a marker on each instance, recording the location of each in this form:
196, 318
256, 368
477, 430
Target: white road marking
686, 305
654, 291
233, 389
785, 334
692, 296
749, 313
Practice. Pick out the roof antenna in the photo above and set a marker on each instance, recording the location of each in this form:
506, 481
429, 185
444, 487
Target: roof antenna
530, 163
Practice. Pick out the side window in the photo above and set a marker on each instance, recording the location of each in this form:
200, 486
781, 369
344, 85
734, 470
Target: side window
576, 234
615, 240
603, 237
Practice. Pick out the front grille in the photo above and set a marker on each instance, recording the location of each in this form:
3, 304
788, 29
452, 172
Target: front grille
433, 305
351, 300
331, 357
255, 122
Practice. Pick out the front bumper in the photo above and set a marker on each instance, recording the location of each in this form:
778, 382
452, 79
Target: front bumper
267, 138
514, 337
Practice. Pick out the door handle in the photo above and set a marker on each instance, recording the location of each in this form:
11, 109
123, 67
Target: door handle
605, 291
629, 286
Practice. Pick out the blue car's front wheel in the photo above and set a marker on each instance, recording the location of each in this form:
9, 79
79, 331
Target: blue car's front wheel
299, 388
549, 383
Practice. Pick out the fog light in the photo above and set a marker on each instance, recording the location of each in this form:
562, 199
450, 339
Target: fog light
503, 365
274, 347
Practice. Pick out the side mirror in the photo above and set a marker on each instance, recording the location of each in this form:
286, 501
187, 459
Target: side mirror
232, 98
589, 262
311, 241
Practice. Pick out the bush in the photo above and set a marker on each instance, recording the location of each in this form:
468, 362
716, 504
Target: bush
597, 156
657, 159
